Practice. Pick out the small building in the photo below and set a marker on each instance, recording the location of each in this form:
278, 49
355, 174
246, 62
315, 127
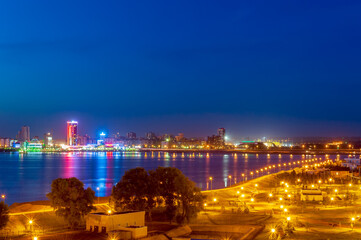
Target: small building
340, 172
311, 195
131, 221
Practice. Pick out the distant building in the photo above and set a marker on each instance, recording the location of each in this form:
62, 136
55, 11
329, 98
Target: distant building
48, 139
131, 135
131, 221
339, 172
83, 140
72, 133
33, 146
150, 136
222, 134
179, 137
215, 142
309, 194
24, 134
4, 142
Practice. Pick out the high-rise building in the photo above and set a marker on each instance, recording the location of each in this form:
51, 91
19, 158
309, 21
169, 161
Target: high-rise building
72, 133
48, 139
150, 135
222, 134
24, 134
131, 135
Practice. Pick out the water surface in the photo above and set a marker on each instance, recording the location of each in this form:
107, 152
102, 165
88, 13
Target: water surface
27, 177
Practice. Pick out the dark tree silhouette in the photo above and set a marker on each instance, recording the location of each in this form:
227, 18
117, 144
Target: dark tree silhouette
71, 200
182, 198
4, 214
135, 191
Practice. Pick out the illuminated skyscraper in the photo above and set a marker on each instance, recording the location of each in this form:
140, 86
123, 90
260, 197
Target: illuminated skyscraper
48, 139
72, 133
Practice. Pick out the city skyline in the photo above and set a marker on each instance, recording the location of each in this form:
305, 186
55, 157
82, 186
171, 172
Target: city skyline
59, 131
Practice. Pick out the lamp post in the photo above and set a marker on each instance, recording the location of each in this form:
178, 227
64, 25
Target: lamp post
352, 222
211, 179
3, 197
230, 180
98, 193
31, 225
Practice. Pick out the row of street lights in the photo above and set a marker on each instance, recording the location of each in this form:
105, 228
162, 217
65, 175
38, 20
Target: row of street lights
262, 170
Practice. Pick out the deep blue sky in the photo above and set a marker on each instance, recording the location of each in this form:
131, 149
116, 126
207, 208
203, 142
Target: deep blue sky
257, 68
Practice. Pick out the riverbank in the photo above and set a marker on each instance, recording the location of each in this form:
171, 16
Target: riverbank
205, 151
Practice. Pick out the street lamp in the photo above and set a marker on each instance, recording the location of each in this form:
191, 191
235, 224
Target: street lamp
211, 179
98, 193
288, 218
230, 180
3, 197
352, 222
31, 224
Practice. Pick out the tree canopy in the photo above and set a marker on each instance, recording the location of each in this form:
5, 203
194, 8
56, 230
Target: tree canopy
140, 190
71, 200
4, 214
135, 191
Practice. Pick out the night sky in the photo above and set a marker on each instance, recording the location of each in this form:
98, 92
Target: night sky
257, 68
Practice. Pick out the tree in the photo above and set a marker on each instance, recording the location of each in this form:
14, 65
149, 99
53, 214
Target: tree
135, 191
71, 200
4, 214
181, 196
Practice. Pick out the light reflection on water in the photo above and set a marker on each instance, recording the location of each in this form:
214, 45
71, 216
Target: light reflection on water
27, 177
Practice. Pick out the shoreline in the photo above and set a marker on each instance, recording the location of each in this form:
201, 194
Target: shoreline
205, 151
